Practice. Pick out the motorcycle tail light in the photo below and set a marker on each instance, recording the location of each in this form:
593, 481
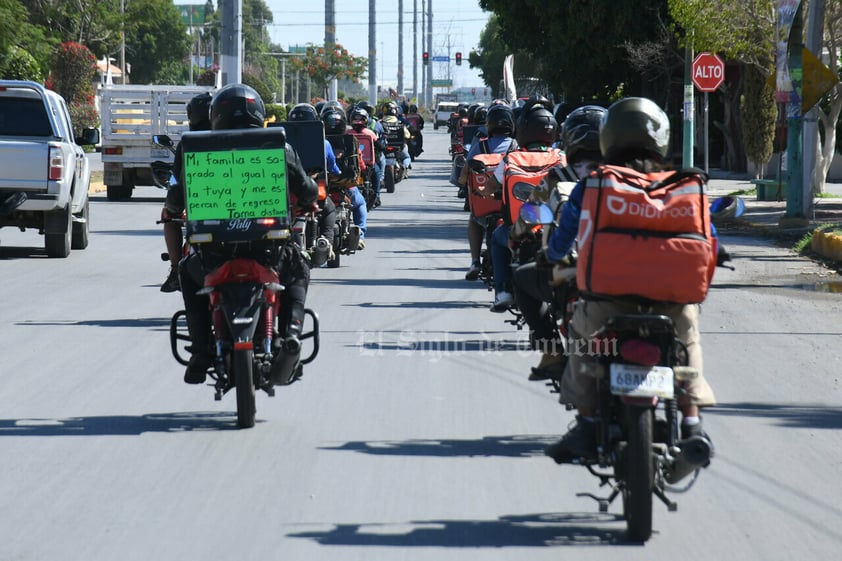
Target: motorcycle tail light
640, 352
266, 221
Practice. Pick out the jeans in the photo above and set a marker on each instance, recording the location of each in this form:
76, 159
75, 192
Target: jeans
533, 292
379, 170
359, 209
501, 258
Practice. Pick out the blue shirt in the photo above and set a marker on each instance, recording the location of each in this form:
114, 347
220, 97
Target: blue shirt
330, 159
496, 145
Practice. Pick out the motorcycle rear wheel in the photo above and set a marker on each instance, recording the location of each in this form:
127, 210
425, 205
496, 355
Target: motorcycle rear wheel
639, 474
389, 179
243, 370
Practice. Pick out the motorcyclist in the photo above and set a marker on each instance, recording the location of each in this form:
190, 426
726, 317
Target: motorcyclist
238, 106
533, 281
327, 209
500, 126
379, 149
416, 125
634, 134
198, 119
390, 115
336, 124
535, 131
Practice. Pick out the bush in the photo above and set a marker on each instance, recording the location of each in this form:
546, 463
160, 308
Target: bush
18, 64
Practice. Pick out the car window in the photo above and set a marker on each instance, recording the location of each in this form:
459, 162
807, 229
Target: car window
24, 117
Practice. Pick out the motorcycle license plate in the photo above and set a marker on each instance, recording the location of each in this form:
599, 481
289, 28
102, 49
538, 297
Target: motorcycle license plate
390, 160
159, 153
642, 381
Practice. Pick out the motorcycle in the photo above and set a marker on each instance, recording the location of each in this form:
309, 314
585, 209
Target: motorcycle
394, 171
346, 234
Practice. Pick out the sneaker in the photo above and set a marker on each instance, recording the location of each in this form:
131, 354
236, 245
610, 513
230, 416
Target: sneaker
578, 444
462, 193
376, 203
473, 272
197, 368
503, 302
361, 245
551, 366
171, 284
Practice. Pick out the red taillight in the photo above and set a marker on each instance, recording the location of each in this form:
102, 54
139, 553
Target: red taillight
266, 221
56, 164
243, 345
113, 150
640, 352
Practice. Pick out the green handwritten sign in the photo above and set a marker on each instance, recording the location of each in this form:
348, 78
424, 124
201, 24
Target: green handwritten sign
232, 184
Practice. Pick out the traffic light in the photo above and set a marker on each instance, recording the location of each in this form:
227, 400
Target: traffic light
458, 59
426, 57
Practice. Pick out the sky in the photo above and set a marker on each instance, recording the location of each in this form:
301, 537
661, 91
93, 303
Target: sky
457, 22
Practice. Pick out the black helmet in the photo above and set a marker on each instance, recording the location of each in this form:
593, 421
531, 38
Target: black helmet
334, 120
580, 132
237, 106
500, 120
198, 112
389, 108
462, 111
319, 106
480, 115
634, 127
303, 112
536, 124
369, 108
413, 108
359, 119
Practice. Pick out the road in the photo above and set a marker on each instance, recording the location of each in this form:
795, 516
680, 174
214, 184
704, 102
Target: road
413, 436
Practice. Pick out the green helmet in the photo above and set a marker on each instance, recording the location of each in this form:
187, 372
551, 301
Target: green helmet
634, 127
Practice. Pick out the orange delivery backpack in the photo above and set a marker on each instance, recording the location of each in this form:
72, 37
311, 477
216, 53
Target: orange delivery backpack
646, 235
483, 206
524, 166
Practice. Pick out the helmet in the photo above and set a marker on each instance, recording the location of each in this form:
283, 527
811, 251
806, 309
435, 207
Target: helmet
319, 106
334, 121
480, 115
389, 108
561, 111
472, 109
536, 124
580, 132
303, 112
359, 119
499, 101
413, 108
462, 111
500, 120
634, 127
198, 112
237, 106
369, 108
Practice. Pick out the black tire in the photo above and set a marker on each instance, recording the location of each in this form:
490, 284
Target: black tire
389, 179
242, 366
639, 474
58, 245
79, 232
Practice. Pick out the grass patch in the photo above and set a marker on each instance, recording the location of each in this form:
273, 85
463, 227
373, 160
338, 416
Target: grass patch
744, 193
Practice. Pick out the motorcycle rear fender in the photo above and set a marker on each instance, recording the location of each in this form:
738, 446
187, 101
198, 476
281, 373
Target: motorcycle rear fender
639, 401
242, 305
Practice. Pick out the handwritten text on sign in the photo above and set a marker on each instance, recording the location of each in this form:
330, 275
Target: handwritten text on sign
224, 185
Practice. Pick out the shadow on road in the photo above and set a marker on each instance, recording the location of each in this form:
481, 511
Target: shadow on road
515, 446
153, 323
787, 415
529, 530
120, 424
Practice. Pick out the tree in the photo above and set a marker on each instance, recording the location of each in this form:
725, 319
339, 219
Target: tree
24, 49
491, 53
72, 78
831, 108
156, 39
759, 114
324, 65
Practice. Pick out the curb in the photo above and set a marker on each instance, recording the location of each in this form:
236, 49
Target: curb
827, 244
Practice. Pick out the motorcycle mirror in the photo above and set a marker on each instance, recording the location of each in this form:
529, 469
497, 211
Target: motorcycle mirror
163, 140
523, 191
162, 174
477, 166
534, 214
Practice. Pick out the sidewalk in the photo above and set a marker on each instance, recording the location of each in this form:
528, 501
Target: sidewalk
769, 217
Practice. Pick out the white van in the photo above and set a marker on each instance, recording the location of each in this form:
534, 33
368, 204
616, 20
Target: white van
443, 112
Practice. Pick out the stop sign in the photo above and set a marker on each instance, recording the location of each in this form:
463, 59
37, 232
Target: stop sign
708, 72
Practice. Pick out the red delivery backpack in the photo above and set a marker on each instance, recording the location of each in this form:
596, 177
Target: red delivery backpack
646, 235
483, 206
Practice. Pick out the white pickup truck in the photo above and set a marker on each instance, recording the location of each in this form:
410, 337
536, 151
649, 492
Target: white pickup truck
44, 173
131, 114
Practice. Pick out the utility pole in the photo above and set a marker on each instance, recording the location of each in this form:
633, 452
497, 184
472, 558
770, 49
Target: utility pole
330, 42
400, 47
122, 41
794, 155
429, 88
415, 50
230, 50
425, 71
372, 52
689, 108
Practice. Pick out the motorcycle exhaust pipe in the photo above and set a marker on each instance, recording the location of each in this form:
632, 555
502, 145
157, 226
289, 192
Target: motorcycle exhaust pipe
696, 452
321, 251
285, 363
